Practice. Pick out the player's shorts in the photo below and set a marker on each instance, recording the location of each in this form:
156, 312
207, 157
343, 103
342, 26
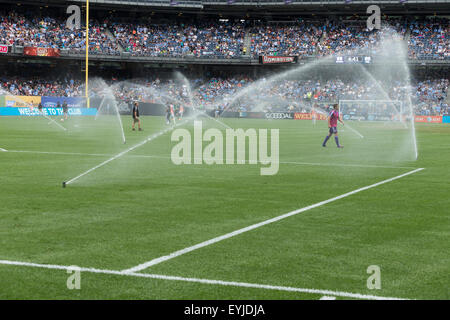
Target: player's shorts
135, 120
333, 130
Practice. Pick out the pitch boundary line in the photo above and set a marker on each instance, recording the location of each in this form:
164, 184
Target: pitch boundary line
203, 244
203, 281
167, 157
120, 154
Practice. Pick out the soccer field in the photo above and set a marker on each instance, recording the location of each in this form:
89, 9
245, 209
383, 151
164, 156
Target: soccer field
140, 227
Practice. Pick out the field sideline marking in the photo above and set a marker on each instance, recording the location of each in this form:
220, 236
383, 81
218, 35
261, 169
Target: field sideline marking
178, 253
167, 157
203, 281
3, 150
148, 139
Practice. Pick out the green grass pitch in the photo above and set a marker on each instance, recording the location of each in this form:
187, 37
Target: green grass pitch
141, 207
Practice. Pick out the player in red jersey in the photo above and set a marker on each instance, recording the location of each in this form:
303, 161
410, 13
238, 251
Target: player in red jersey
333, 118
180, 112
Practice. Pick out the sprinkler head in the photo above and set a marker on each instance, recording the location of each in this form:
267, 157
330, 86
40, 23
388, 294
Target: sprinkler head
64, 184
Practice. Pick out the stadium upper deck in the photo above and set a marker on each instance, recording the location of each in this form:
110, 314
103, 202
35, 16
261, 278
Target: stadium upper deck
205, 38
428, 39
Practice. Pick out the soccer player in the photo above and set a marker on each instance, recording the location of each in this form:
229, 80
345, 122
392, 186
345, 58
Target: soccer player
172, 112
65, 109
58, 106
333, 118
135, 115
180, 112
168, 115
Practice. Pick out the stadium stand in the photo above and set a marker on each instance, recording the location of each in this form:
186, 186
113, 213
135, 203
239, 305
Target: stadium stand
428, 39
429, 96
219, 38
200, 40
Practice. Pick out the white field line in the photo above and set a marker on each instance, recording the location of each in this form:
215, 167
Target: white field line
355, 131
203, 281
148, 139
178, 253
328, 298
106, 161
217, 120
51, 120
167, 157
3, 150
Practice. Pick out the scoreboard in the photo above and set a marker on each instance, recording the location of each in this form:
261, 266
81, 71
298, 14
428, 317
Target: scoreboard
353, 59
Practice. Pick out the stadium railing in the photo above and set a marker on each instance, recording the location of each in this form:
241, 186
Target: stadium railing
240, 60
161, 3
201, 3
315, 2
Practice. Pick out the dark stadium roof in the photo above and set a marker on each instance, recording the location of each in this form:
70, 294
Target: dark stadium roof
261, 6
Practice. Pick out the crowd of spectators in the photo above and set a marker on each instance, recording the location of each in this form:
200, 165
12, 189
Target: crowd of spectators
341, 37
300, 39
39, 87
430, 40
223, 39
242, 93
428, 97
48, 32
427, 39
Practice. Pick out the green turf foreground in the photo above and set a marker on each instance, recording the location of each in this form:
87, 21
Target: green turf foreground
141, 206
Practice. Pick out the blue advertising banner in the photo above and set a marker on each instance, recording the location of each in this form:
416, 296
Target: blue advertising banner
72, 102
25, 111
446, 119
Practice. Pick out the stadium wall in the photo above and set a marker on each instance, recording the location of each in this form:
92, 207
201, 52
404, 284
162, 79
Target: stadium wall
65, 54
429, 119
20, 101
26, 111
310, 116
72, 102
20, 106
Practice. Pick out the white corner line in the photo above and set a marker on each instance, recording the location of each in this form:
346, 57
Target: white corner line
120, 154
178, 253
203, 281
328, 298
